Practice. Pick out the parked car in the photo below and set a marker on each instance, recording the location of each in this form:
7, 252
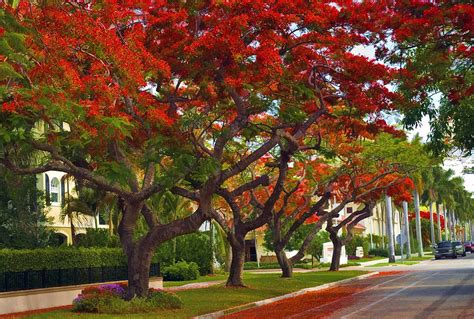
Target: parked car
449, 249
469, 246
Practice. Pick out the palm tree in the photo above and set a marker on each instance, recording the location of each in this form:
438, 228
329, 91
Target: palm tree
169, 207
391, 243
87, 203
442, 189
429, 196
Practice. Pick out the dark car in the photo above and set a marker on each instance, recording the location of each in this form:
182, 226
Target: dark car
469, 246
449, 249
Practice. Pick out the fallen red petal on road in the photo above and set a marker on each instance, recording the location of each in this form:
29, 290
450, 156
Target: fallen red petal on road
318, 304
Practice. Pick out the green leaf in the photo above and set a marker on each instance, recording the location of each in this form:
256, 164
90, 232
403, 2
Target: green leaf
7, 71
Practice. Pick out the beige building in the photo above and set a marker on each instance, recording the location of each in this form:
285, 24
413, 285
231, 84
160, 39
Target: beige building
57, 187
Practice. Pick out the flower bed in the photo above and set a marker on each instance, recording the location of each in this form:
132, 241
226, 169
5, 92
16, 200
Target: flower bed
110, 299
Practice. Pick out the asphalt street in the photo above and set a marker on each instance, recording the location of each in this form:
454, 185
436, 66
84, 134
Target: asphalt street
432, 289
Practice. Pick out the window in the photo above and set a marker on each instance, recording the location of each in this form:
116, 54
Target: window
54, 190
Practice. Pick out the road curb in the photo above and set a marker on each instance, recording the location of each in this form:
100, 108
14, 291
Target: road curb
263, 302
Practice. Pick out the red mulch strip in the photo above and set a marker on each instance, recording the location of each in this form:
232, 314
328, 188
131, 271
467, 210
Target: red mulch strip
325, 299
33, 312
318, 304
388, 273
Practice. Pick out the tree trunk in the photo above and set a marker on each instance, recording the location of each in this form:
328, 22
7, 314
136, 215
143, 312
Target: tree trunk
418, 223
445, 222
391, 242
285, 264
432, 231
228, 258
139, 262
73, 232
407, 228
336, 253
237, 265
438, 217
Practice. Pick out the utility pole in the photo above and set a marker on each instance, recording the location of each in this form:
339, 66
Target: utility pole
391, 245
418, 223
407, 228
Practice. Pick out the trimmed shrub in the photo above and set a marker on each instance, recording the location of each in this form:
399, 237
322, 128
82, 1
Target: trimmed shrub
378, 252
98, 238
181, 271
110, 299
357, 241
194, 247
61, 258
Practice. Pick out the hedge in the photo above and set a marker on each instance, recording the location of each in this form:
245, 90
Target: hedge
60, 258
195, 247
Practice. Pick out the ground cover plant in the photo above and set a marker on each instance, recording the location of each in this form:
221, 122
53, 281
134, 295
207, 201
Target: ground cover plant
111, 299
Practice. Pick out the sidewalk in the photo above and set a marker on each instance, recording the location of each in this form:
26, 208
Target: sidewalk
197, 285
373, 262
278, 270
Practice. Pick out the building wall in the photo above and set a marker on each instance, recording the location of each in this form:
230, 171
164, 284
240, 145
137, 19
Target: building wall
60, 188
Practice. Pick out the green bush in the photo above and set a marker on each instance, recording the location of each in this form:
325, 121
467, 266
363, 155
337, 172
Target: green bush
378, 252
98, 238
181, 271
60, 258
358, 241
194, 247
110, 299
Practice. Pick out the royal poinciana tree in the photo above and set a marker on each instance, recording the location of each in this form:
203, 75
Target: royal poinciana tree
361, 173
433, 40
137, 98
75, 98
271, 74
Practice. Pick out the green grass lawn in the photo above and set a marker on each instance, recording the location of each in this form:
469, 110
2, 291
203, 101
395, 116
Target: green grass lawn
200, 279
404, 263
365, 259
206, 300
417, 258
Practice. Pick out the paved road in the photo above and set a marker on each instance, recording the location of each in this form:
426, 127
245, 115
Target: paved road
434, 289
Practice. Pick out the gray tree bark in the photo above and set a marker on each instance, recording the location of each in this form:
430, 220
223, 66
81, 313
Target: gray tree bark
438, 215
407, 228
453, 225
418, 223
446, 230
432, 232
389, 225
